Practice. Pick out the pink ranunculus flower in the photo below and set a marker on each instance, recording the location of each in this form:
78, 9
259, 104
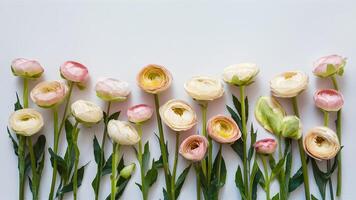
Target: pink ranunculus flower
223, 129
26, 68
194, 148
266, 146
74, 71
329, 65
329, 99
49, 93
110, 89
139, 113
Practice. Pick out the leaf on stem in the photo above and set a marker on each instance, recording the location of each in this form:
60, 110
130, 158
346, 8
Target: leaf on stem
61, 164
256, 175
69, 187
240, 183
180, 181
14, 143
253, 135
17, 105
297, 179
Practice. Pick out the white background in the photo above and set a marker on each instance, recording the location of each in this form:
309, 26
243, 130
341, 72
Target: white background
116, 39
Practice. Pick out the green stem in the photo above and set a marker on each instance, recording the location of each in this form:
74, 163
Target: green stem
338, 132
76, 161
34, 169
198, 189
142, 170
219, 162
244, 137
326, 123
173, 179
280, 155
204, 109
21, 153
267, 179
115, 156
25, 93
102, 156
56, 138
162, 144
302, 155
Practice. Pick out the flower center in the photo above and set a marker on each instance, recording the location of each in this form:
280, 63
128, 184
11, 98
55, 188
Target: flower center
319, 140
178, 111
289, 75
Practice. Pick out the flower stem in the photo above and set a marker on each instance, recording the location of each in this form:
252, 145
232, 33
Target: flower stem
25, 93
142, 170
204, 109
21, 153
115, 156
173, 179
302, 155
267, 179
244, 137
219, 162
328, 165
338, 132
162, 144
34, 169
102, 156
198, 189
56, 138
76, 161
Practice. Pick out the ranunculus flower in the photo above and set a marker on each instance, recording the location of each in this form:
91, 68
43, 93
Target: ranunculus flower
223, 129
26, 121
123, 132
194, 148
139, 113
269, 113
74, 71
321, 143
127, 171
204, 88
154, 79
289, 84
110, 89
328, 99
86, 112
178, 115
26, 68
240, 74
265, 146
329, 65
291, 127
49, 93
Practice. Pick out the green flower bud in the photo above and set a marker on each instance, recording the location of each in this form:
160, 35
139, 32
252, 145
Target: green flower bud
269, 113
291, 127
127, 171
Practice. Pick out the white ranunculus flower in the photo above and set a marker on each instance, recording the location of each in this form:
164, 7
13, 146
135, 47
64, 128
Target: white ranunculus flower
289, 84
86, 112
26, 122
123, 132
110, 89
240, 74
178, 115
204, 88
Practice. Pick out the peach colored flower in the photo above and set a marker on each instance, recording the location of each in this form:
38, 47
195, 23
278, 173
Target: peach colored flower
139, 113
154, 79
223, 129
110, 89
194, 148
74, 71
49, 93
26, 68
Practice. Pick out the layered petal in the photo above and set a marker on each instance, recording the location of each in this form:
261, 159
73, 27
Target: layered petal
240, 74
265, 146
329, 65
204, 88
154, 79
110, 89
328, 100
74, 71
289, 84
139, 113
26, 122
26, 68
194, 148
123, 132
86, 112
49, 93
223, 129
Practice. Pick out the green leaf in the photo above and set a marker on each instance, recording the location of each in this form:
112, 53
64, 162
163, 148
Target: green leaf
180, 181
276, 197
69, 187
14, 143
237, 146
235, 116
272, 162
256, 175
313, 197
296, 180
278, 167
114, 116
222, 171
69, 131
97, 151
240, 183
61, 164
146, 156
253, 135
319, 179
107, 167
17, 105
151, 176
288, 169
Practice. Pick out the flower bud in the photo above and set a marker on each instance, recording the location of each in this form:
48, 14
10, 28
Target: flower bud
47, 94
265, 146
289, 84
240, 74
329, 65
127, 171
178, 115
321, 143
123, 133
154, 79
194, 148
269, 113
26, 122
204, 88
26, 68
329, 100
223, 129
86, 112
291, 127
74, 71
139, 113
109, 89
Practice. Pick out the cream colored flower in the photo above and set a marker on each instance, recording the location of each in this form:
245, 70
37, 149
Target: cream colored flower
123, 132
289, 84
178, 115
321, 143
240, 74
204, 88
26, 122
49, 93
269, 114
154, 79
110, 89
223, 129
86, 112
